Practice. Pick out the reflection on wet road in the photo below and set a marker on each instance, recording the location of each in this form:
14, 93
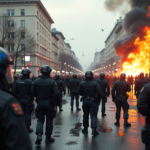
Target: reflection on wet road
68, 125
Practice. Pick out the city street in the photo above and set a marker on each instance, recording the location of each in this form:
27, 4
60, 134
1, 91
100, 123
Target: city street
68, 135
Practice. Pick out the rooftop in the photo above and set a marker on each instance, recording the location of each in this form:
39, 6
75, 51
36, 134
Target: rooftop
54, 31
30, 1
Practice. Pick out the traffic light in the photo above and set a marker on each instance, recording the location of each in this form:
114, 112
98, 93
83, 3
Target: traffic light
29, 64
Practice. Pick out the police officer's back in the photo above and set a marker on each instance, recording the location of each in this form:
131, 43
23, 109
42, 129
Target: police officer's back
44, 89
143, 106
104, 86
74, 85
61, 89
139, 83
89, 89
22, 88
13, 132
119, 96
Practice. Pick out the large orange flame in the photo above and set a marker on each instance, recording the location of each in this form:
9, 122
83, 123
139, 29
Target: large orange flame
139, 62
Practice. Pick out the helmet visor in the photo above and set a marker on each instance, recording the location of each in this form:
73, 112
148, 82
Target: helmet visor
9, 75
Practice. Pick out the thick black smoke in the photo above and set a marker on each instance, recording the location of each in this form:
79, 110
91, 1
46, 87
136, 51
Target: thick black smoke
134, 23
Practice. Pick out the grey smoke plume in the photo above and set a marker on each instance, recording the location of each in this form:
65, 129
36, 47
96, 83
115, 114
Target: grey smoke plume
117, 5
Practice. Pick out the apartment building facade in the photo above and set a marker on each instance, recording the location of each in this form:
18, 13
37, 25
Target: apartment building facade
32, 15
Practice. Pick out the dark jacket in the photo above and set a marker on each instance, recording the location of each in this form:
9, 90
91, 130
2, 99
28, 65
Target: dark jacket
60, 85
13, 131
22, 88
104, 86
89, 88
44, 88
74, 84
143, 103
120, 87
139, 84
67, 81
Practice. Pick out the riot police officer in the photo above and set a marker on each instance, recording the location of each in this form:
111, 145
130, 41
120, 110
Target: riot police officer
143, 106
13, 132
22, 88
104, 86
73, 86
61, 89
119, 96
89, 89
139, 83
44, 89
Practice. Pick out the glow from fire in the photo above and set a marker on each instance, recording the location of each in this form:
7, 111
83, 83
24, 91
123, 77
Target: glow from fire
148, 15
139, 62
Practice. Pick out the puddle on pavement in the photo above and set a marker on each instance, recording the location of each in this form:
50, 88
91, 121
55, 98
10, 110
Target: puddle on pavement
104, 129
120, 133
72, 143
64, 102
76, 130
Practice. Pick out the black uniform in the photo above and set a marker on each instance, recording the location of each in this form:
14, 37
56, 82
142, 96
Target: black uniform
61, 89
89, 89
43, 89
139, 84
74, 85
13, 132
104, 86
120, 97
143, 106
22, 88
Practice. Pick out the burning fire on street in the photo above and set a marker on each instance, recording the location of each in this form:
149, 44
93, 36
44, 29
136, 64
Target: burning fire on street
140, 62
135, 47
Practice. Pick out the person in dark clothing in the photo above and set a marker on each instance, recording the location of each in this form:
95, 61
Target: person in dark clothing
119, 96
73, 86
67, 84
104, 86
45, 90
143, 105
139, 84
13, 131
33, 78
22, 88
61, 89
89, 89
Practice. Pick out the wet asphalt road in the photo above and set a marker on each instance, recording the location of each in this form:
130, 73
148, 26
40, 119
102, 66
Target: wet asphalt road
68, 135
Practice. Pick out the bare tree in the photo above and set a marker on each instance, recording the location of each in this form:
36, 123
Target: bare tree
23, 42
7, 25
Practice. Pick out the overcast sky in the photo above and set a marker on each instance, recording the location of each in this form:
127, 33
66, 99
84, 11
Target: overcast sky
82, 20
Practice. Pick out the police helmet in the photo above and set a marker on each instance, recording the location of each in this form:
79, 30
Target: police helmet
57, 76
74, 75
141, 74
46, 69
25, 72
89, 74
102, 75
123, 76
5, 66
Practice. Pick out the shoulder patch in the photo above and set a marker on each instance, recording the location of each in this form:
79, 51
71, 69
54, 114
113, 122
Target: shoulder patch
142, 90
16, 108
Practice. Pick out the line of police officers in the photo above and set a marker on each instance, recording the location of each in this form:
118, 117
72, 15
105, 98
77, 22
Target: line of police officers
48, 92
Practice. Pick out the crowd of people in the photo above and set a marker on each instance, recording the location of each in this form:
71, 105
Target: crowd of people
19, 96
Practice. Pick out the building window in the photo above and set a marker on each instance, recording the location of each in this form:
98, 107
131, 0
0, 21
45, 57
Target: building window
37, 36
10, 35
22, 60
11, 47
37, 25
22, 47
22, 35
11, 24
11, 12
22, 12
22, 23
